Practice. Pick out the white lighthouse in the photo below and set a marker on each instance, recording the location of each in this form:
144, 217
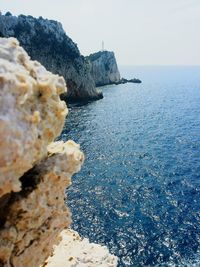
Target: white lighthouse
102, 48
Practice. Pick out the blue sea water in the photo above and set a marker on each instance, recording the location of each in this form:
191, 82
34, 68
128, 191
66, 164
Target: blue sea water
139, 190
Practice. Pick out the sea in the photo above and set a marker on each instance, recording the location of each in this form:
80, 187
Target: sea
138, 192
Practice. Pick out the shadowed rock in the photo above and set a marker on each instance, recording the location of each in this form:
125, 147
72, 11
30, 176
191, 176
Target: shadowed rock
46, 41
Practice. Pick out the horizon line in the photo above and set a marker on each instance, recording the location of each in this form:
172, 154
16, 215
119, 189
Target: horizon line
159, 65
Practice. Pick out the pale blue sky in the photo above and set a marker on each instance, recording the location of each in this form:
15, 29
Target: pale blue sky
140, 32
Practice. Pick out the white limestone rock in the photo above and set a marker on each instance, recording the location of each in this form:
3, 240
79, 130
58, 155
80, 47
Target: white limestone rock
73, 251
31, 112
104, 69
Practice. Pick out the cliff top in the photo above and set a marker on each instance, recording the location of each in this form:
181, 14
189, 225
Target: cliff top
95, 56
46, 41
38, 32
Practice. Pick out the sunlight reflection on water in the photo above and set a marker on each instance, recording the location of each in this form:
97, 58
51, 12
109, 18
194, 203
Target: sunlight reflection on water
139, 190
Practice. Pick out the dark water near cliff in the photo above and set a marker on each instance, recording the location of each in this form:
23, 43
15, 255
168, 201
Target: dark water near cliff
139, 190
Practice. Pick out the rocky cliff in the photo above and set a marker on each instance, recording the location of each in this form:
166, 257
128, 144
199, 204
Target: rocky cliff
46, 41
104, 68
34, 170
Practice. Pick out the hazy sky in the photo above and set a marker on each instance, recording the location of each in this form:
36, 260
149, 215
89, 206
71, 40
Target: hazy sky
140, 32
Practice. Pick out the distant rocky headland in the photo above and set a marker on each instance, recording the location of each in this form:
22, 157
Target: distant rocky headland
123, 80
46, 41
104, 69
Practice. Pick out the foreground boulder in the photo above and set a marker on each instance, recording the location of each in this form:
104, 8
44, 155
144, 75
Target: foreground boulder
31, 116
46, 41
33, 218
34, 171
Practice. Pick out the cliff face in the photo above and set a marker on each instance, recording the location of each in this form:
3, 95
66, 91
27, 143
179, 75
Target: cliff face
46, 41
34, 171
104, 68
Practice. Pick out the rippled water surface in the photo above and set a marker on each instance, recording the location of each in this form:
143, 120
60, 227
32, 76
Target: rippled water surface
139, 190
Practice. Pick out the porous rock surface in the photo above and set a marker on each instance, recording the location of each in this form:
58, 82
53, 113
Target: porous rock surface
104, 69
31, 112
46, 41
34, 172
34, 217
